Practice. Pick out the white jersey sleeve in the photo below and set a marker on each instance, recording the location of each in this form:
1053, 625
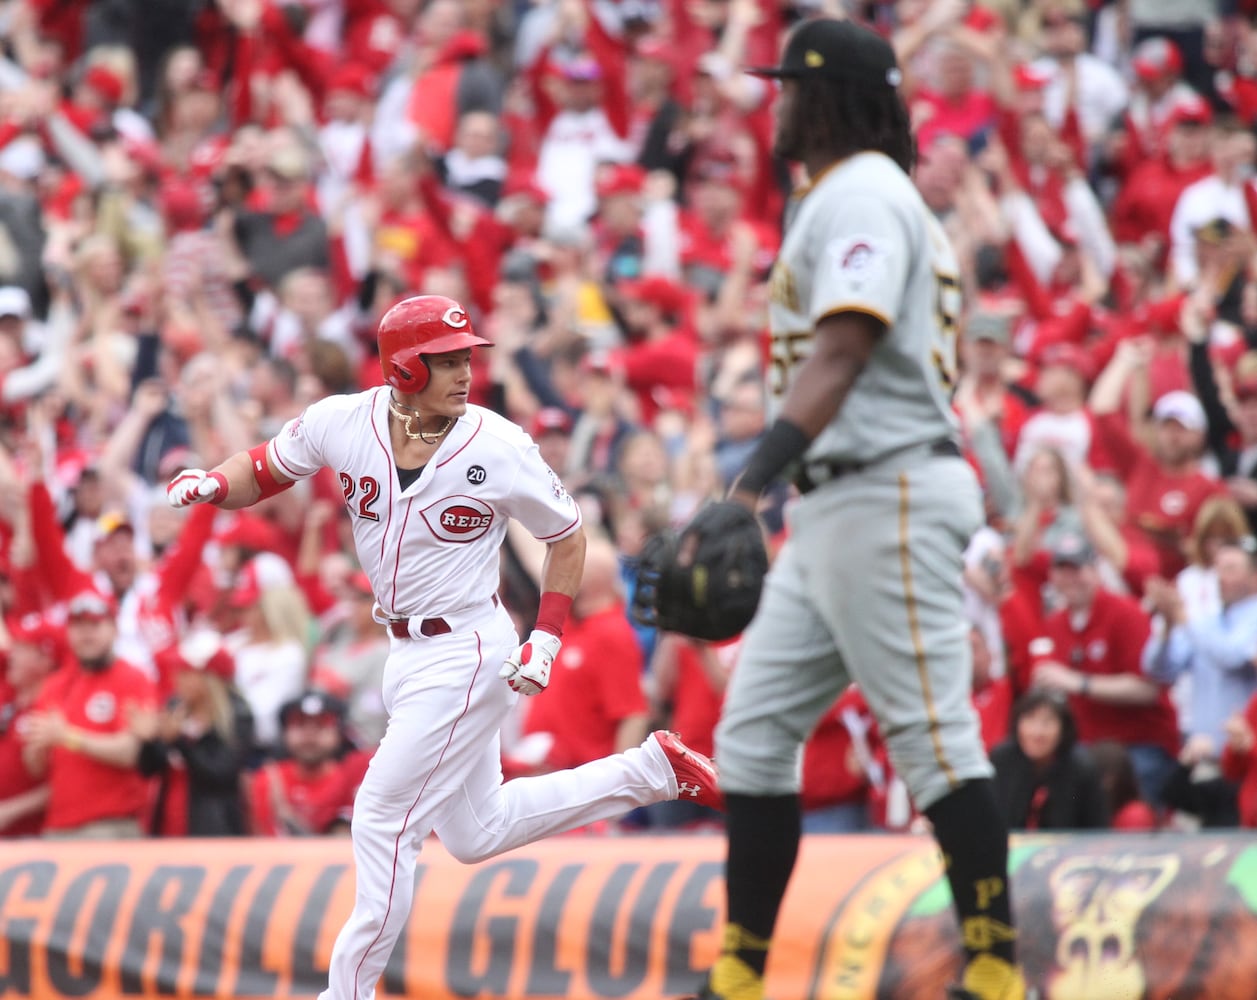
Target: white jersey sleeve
298, 449
864, 262
539, 501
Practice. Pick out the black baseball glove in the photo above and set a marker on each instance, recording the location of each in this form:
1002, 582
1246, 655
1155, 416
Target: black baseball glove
704, 582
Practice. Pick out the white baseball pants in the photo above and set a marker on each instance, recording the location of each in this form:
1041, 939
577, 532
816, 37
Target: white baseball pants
438, 768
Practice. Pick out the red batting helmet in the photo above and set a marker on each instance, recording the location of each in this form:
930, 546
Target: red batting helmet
424, 324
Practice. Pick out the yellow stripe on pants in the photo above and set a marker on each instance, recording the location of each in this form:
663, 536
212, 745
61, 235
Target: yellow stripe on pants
914, 631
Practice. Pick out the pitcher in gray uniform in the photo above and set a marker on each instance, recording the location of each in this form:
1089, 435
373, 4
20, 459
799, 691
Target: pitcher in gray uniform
865, 297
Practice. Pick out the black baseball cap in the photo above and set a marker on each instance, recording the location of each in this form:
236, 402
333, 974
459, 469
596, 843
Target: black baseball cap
829, 49
313, 704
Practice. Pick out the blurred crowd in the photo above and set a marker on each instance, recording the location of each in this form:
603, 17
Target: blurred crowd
206, 206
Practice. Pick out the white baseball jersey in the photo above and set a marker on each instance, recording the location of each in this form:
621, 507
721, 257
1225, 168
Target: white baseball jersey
862, 240
429, 550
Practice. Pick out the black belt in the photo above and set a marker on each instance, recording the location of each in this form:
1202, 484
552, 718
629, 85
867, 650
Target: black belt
821, 471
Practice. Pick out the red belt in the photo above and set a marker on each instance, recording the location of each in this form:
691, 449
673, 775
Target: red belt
400, 627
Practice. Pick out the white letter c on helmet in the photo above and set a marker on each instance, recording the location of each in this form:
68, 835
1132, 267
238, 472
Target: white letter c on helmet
455, 317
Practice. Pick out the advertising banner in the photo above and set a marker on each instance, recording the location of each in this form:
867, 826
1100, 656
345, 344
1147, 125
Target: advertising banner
1103, 917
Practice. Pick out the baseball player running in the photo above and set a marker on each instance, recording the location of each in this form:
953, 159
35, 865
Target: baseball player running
863, 302
430, 482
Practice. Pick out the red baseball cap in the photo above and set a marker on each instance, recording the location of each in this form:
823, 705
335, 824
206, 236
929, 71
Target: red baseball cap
654, 47
551, 419
656, 290
1027, 76
520, 185
204, 651
91, 604
248, 531
247, 589
353, 78
1191, 110
620, 178
582, 69
263, 572
1070, 356
1156, 57
40, 631
105, 82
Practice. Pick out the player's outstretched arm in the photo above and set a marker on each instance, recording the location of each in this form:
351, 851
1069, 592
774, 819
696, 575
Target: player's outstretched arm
240, 481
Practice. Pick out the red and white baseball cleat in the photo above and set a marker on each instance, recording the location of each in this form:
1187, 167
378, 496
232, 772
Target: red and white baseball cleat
697, 780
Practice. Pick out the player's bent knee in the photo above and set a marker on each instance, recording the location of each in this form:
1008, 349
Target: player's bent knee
762, 765
934, 764
470, 852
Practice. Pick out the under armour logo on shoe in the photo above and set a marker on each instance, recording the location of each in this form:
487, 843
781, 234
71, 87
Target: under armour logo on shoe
687, 789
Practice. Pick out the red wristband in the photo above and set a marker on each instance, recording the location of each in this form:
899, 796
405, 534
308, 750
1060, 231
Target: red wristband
221, 493
552, 612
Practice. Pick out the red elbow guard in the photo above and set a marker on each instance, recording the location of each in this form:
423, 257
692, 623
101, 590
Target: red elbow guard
266, 480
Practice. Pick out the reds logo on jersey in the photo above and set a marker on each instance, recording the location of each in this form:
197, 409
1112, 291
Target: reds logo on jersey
458, 518
101, 708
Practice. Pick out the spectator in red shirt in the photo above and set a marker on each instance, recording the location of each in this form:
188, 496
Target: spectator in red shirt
1159, 89
79, 734
1090, 650
1164, 483
1145, 204
1129, 557
992, 696
33, 652
687, 683
956, 106
842, 766
595, 704
661, 354
714, 222
310, 791
1062, 421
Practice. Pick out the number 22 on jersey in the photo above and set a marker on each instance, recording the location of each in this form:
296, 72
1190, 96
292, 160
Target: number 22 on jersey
367, 489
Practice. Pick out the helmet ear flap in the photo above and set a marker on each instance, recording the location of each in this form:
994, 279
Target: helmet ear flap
412, 377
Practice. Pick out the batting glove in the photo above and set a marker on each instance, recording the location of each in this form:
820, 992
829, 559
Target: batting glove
527, 670
196, 486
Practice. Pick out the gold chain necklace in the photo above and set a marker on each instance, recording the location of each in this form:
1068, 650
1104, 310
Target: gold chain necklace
407, 419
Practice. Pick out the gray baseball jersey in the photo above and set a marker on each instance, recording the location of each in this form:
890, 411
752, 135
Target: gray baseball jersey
862, 239
868, 585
